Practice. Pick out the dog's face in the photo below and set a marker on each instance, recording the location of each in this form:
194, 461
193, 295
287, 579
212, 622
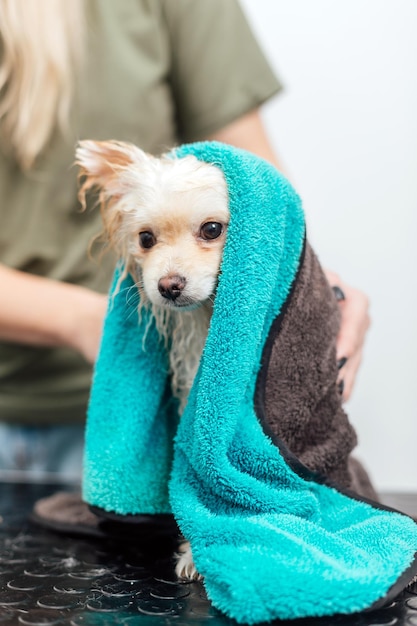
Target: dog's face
166, 217
180, 235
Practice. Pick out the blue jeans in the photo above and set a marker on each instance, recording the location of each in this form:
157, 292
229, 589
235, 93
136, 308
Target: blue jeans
52, 453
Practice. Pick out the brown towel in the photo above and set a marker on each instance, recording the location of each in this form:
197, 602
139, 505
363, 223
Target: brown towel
298, 382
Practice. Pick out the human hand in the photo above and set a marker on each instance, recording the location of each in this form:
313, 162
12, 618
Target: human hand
87, 322
355, 321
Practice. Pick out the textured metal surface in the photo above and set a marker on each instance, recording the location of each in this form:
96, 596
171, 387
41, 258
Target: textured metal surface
49, 579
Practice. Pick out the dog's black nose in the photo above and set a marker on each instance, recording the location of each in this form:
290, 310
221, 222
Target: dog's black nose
170, 287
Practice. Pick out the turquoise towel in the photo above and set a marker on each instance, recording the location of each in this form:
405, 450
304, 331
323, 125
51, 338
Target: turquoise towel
263, 528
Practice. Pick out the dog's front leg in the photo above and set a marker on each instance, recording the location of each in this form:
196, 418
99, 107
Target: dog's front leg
185, 567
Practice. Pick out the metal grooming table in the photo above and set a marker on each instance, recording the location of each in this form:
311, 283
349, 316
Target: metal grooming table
48, 578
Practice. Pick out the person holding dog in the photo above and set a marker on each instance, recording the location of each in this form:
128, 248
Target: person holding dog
152, 73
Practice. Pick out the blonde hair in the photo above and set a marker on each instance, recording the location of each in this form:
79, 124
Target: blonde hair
41, 44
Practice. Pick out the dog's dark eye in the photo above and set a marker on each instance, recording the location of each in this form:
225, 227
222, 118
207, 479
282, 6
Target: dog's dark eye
211, 230
147, 239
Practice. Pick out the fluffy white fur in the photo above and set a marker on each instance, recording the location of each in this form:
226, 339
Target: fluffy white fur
167, 219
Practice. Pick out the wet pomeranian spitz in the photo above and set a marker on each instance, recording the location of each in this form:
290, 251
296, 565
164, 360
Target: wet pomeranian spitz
166, 218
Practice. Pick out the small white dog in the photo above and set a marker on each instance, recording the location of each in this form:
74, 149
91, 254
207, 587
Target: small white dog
167, 219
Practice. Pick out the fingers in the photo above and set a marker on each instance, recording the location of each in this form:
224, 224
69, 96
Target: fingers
355, 321
348, 375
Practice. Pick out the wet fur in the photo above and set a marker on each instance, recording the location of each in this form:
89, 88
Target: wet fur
172, 198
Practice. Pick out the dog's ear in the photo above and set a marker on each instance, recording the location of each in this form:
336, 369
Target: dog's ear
106, 166
102, 164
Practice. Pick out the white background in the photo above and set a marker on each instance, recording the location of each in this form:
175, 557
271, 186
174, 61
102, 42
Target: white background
346, 129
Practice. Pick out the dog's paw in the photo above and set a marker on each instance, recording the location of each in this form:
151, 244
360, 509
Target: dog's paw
185, 567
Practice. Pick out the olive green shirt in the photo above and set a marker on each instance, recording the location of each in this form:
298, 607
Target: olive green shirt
157, 72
